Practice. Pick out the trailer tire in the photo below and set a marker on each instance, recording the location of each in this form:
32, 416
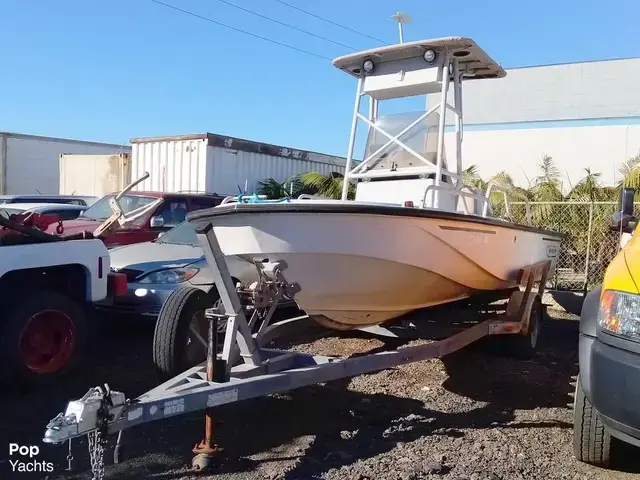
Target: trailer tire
171, 354
523, 345
42, 339
591, 441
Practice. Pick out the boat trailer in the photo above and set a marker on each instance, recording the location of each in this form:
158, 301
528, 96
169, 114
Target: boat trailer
246, 369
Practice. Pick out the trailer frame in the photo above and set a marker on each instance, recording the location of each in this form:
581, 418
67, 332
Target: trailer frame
246, 369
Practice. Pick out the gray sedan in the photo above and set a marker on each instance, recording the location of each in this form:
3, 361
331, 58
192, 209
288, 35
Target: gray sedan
154, 269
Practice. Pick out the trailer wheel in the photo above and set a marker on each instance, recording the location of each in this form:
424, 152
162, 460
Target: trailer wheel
43, 338
180, 336
591, 441
525, 344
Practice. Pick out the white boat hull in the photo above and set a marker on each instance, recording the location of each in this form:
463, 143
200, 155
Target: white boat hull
362, 269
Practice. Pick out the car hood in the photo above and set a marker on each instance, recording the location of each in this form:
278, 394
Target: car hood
148, 256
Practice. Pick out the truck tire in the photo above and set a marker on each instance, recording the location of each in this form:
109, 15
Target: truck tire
43, 337
171, 338
591, 441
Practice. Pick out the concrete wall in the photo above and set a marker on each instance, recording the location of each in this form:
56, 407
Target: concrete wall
581, 114
518, 151
588, 90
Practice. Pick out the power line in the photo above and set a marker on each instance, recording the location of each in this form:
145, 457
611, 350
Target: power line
285, 24
187, 12
331, 22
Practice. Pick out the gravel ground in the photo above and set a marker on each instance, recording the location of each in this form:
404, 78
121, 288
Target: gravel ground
471, 415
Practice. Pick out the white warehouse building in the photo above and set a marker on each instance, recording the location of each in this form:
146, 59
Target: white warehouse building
583, 115
31, 163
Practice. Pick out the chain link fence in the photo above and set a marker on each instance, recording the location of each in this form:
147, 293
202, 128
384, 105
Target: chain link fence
589, 246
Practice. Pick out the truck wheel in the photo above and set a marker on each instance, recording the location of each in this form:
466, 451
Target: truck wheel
180, 336
43, 337
591, 441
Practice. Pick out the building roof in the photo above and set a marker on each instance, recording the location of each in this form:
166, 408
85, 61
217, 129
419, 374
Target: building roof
242, 144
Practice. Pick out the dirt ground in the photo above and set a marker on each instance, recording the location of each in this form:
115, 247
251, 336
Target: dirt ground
471, 415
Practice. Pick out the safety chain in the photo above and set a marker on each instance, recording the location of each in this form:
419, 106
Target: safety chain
96, 453
97, 439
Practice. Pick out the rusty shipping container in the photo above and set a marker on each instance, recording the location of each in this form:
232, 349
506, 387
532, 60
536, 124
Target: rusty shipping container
215, 163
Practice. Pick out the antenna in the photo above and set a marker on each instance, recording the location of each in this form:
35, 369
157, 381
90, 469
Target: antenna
401, 18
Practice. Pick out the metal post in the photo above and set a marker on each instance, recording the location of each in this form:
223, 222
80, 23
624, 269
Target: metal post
587, 259
443, 113
371, 109
352, 139
401, 18
457, 97
206, 451
3, 163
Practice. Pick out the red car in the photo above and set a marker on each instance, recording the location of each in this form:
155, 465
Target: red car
171, 210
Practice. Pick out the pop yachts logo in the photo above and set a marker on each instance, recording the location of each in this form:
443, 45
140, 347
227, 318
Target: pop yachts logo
23, 458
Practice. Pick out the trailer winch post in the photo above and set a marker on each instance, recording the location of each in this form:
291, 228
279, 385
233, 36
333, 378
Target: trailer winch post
207, 450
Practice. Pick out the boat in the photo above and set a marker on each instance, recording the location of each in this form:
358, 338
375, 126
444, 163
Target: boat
415, 235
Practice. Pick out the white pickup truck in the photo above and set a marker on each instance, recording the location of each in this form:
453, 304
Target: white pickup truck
47, 283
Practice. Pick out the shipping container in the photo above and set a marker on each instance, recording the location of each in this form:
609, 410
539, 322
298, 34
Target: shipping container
94, 175
220, 164
31, 164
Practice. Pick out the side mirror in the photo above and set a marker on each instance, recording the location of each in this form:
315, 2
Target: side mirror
623, 219
157, 222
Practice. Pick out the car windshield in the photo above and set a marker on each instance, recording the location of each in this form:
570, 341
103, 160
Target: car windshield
6, 212
183, 234
101, 210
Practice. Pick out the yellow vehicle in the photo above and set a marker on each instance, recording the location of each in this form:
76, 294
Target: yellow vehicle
607, 391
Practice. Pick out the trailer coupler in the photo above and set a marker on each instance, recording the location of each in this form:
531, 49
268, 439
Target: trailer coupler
95, 411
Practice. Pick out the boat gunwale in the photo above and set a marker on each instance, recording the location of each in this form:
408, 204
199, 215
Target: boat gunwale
198, 217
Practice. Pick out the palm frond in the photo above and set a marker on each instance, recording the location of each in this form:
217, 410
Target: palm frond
629, 166
630, 171
271, 188
329, 186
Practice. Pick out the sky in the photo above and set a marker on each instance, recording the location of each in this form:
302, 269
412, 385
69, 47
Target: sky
112, 70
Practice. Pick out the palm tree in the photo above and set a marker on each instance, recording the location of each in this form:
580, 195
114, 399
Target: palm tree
329, 186
472, 178
630, 171
292, 187
547, 186
272, 188
590, 189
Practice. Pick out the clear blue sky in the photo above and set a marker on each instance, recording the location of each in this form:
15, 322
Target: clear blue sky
111, 70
